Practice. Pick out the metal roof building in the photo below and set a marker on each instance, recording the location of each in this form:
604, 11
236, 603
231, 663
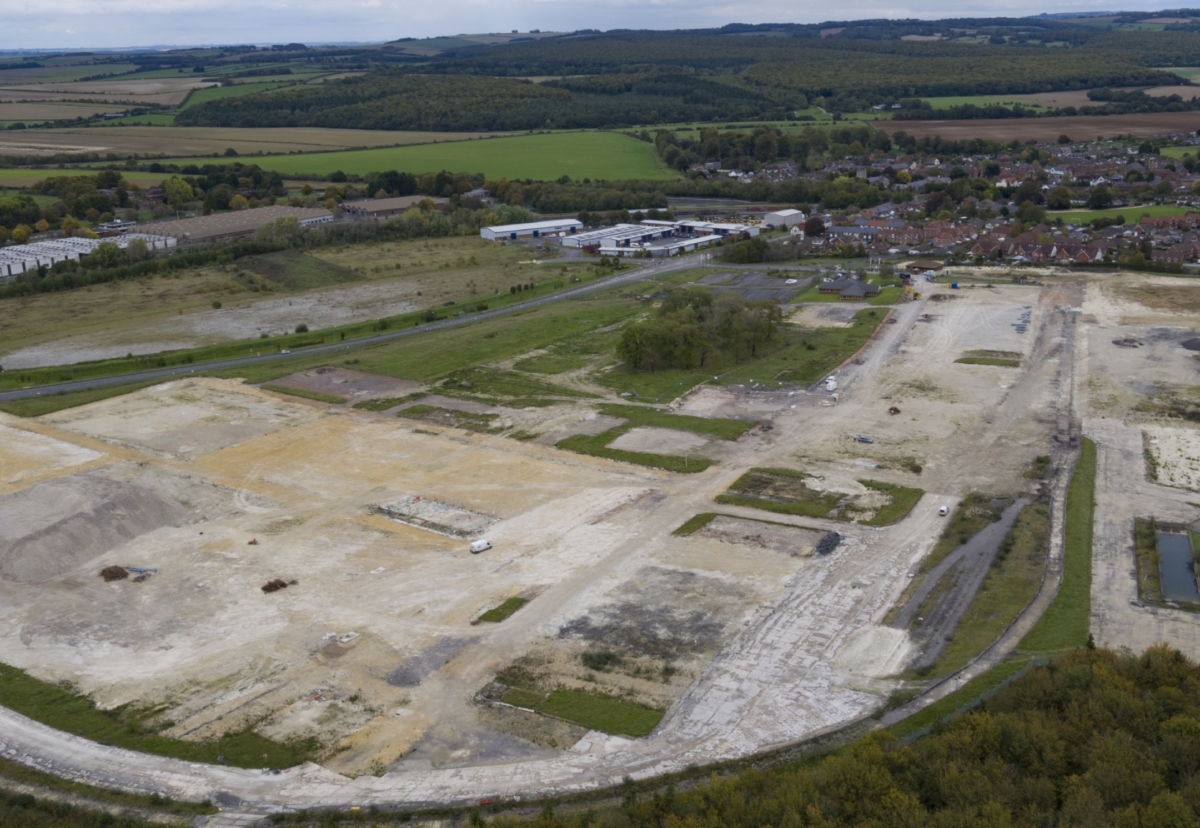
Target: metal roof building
16, 259
533, 229
236, 223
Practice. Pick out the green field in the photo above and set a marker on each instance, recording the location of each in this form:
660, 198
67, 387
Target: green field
1132, 214
982, 100
151, 119
216, 93
1178, 152
597, 155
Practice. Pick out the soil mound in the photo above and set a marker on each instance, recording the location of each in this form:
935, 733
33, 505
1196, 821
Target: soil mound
53, 527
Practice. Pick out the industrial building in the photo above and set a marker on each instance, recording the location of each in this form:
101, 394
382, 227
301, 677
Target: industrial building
221, 226
20, 258
784, 218
621, 235
531, 230
387, 207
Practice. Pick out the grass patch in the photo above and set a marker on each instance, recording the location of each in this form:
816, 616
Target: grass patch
694, 524
521, 697
497, 614
903, 499
1008, 588
655, 418
997, 361
597, 446
384, 403
1131, 214
974, 512
944, 707
605, 713
60, 707
292, 270
469, 420
300, 392
49, 403
1065, 623
504, 388
780, 490
1145, 547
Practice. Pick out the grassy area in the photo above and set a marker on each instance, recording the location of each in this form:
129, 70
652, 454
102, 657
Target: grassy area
903, 499
504, 388
1131, 214
384, 403
1065, 623
805, 356
497, 614
636, 415
1145, 547
694, 524
605, 713
974, 512
469, 420
61, 708
966, 694
597, 446
300, 392
779, 490
1008, 588
48, 404
948, 101
544, 157
523, 698
1001, 362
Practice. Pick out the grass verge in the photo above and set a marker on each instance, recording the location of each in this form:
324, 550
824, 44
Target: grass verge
48, 404
15, 772
469, 420
694, 524
785, 492
1000, 362
605, 713
59, 707
1010, 585
300, 392
497, 614
1065, 623
384, 403
944, 707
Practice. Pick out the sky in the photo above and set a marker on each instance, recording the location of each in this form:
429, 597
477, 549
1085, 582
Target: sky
128, 23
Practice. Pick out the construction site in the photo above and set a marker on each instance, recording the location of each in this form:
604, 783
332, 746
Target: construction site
304, 568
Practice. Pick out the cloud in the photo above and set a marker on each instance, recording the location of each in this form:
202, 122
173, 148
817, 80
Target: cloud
126, 23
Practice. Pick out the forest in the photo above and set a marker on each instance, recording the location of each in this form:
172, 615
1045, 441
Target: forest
634, 78
1094, 738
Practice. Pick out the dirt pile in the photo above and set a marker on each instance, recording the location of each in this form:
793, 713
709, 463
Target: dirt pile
53, 527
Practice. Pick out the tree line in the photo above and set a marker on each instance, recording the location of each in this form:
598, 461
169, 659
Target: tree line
1094, 738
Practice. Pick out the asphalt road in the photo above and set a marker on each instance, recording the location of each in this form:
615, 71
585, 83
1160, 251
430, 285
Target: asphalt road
622, 278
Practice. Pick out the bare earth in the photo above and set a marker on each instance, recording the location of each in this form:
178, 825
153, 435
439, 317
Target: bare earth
373, 651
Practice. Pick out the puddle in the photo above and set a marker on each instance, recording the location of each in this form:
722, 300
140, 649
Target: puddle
1175, 568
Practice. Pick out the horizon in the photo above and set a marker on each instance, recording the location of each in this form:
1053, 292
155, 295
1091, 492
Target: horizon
185, 24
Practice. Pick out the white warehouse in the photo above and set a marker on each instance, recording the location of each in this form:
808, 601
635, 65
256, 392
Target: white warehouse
784, 218
533, 229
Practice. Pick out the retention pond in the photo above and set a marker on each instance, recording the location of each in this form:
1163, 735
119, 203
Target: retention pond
1176, 569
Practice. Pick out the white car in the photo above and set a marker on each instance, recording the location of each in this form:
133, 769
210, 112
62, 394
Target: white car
792, 282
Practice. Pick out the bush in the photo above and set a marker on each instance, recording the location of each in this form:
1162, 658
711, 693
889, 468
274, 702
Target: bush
301, 328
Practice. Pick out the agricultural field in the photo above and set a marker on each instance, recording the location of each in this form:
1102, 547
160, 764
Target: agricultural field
1131, 214
986, 100
1077, 127
597, 155
200, 141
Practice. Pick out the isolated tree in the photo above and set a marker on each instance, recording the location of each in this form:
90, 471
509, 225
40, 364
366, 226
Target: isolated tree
238, 202
42, 226
106, 254
1059, 198
814, 227
137, 250
21, 233
1099, 198
177, 192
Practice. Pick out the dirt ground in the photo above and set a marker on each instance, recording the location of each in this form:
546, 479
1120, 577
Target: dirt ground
739, 631
1177, 454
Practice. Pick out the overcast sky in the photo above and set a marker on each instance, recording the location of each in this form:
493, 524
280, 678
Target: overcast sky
123, 23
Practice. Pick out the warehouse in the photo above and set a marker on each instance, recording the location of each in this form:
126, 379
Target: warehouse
221, 226
531, 230
784, 218
620, 235
706, 228
21, 258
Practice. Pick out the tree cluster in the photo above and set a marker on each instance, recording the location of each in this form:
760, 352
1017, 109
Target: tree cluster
695, 329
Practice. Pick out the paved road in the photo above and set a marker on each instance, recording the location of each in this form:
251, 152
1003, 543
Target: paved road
616, 280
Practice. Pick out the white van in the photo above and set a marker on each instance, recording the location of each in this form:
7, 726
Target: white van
943, 511
480, 546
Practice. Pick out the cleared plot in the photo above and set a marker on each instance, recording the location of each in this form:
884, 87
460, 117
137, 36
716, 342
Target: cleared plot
603, 155
795, 493
28, 455
49, 111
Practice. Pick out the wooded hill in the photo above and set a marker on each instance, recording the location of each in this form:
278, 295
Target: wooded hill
635, 78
